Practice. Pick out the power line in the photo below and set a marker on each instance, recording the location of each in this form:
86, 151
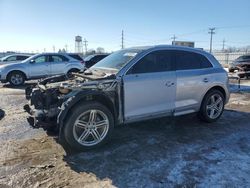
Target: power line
211, 32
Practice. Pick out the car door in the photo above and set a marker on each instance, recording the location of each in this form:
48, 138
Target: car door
58, 64
39, 66
150, 86
193, 72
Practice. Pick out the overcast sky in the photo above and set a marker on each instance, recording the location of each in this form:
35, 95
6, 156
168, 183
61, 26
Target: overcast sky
32, 25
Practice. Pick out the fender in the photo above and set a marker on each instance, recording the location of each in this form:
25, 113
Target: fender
78, 96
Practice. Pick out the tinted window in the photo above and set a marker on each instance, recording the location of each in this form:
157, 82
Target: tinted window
75, 56
20, 57
158, 61
189, 60
58, 58
245, 57
97, 58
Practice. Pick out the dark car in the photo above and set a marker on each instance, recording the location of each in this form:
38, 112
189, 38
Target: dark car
93, 59
242, 64
75, 56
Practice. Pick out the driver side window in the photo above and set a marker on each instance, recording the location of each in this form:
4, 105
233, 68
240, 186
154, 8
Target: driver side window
40, 59
157, 61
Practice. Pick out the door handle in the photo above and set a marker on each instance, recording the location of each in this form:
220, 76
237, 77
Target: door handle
205, 80
169, 83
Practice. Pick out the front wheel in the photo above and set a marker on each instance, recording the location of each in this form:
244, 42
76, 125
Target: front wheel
212, 106
88, 126
16, 78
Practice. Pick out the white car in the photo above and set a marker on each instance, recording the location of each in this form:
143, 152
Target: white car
39, 66
13, 58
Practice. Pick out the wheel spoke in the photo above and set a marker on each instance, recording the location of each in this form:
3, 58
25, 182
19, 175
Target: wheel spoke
212, 113
92, 116
96, 135
216, 109
84, 135
218, 101
209, 106
212, 99
81, 124
101, 123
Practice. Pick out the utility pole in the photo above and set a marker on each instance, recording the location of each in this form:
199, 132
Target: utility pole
54, 48
122, 40
85, 45
223, 44
174, 37
211, 32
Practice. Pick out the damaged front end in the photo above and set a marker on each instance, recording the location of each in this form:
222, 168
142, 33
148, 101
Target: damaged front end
51, 99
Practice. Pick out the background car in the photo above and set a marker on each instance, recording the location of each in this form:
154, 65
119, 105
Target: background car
93, 59
13, 58
242, 62
75, 56
39, 66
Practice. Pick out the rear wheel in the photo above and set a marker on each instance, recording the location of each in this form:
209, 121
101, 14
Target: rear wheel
16, 78
69, 73
88, 126
212, 106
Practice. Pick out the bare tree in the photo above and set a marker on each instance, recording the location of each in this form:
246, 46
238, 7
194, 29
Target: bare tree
100, 50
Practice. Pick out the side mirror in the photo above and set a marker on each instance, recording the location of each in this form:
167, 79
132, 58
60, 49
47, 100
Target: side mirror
32, 61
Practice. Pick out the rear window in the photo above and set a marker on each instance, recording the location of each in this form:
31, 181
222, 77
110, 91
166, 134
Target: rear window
75, 56
190, 60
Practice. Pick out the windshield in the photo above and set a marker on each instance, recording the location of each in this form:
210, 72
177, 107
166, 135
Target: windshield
117, 60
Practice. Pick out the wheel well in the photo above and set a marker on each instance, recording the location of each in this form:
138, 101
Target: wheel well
219, 88
8, 75
73, 69
96, 98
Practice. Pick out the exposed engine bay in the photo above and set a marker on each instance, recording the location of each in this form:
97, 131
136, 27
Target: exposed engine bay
52, 97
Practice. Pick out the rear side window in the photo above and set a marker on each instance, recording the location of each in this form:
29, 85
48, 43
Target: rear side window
58, 58
20, 57
75, 56
158, 61
12, 58
190, 60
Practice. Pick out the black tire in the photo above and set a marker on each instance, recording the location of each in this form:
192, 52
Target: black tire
68, 129
18, 75
203, 113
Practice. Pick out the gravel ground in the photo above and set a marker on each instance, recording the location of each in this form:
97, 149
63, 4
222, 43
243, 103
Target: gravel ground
166, 152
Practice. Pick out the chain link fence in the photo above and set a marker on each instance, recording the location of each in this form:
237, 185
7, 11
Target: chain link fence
227, 57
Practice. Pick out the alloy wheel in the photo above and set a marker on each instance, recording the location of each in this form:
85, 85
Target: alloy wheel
91, 127
214, 106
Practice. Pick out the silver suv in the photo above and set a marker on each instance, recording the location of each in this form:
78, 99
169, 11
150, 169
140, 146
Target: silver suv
39, 66
130, 85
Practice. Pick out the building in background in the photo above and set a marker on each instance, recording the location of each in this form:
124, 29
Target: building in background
183, 43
